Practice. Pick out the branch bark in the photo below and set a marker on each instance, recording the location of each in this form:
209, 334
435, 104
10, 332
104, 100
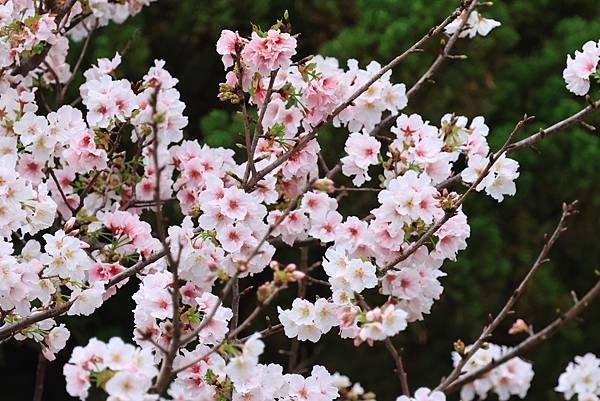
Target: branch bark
568, 210
530, 342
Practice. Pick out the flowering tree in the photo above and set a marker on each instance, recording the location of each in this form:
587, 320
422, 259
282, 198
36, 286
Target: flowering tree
84, 182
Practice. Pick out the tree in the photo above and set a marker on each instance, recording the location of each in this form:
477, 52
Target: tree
106, 188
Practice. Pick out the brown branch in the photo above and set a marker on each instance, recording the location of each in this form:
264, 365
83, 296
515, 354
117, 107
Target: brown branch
531, 341
235, 303
76, 68
163, 379
433, 68
444, 55
400, 371
567, 122
40, 375
50, 171
568, 210
245, 115
250, 168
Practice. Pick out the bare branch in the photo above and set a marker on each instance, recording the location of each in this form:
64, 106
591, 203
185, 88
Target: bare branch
40, 375
400, 371
531, 341
437, 63
568, 210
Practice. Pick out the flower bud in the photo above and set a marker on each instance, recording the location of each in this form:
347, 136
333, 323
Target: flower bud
518, 326
459, 347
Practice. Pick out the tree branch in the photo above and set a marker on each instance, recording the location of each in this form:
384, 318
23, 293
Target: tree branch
568, 210
530, 342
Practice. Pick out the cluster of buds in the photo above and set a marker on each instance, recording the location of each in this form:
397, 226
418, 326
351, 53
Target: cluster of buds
282, 276
227, 93
446, 200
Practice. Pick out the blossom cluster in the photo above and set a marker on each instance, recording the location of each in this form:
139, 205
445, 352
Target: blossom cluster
234, 373
581, 68
581, 378
349, 390
252, 380
49, 167
122, 370
29, 30
510, 378
24, 32
476, 24
153, 313
225, 223
308, 321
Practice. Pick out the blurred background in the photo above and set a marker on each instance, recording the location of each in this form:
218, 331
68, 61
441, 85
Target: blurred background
517, 69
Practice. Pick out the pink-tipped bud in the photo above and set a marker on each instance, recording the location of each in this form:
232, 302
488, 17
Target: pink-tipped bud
69, 224
518, 326
459, 346
373, 314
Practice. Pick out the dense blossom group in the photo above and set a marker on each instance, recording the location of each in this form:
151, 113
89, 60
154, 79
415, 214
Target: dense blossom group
511, 378
581, 378
75, 201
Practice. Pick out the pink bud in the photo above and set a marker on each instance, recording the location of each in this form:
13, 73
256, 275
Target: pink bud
518, 326
373, 314
70, 223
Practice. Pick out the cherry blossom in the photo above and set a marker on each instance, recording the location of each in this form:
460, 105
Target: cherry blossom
476, 25
581, 67
581, 378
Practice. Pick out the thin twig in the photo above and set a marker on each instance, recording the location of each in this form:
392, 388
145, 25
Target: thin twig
568, 210
437, 63
40, 375
531, 341
400, 370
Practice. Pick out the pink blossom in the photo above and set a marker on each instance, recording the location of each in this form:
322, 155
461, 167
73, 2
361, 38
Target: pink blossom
269, 53
227, 44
